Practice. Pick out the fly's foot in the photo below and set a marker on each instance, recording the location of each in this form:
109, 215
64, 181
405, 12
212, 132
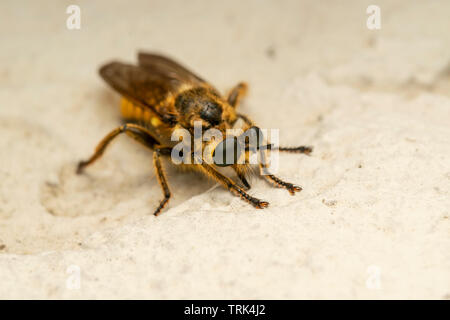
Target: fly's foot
293, 188
81, 166
261, 204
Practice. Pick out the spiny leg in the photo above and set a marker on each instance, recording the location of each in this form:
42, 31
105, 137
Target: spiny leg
273, 179
246, 119
301, 149
237, 93
263, 164
144, 137
140, 134
232, 186
261, 149
161, 179
282, 184
242, 177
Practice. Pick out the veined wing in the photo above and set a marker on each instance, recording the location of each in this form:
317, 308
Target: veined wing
155, 91
158, 64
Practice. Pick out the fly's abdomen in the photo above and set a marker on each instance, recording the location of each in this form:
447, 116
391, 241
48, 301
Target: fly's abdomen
132, 113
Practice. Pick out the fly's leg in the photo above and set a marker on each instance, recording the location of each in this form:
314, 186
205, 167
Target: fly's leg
263, 164
135, 131
282, 184
264, 172
236, 94
241, 177
143, 136
161, 179
232, 186
301, 149
292, 188
246, 119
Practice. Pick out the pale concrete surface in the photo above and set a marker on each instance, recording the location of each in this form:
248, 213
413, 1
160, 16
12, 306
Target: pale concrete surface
371, 222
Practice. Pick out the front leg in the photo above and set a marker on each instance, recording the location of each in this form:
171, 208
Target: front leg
232, 186
292, 188
301, 149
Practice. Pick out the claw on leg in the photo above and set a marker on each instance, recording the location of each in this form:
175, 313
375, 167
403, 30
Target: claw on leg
262, 205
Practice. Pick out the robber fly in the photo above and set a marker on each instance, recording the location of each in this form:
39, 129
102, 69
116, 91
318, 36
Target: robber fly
159, 96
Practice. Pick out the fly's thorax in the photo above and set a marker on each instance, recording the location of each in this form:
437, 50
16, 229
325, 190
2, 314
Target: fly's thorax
201, 104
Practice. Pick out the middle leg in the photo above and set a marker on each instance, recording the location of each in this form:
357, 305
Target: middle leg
236, 94
241, 176
161, 179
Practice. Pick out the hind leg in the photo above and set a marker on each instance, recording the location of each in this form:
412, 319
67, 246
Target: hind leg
141, 135
135, 131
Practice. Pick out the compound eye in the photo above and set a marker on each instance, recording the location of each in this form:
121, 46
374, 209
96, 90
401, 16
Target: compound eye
227, 152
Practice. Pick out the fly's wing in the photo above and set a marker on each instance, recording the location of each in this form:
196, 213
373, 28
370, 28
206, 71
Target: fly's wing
157, 64
148, 90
